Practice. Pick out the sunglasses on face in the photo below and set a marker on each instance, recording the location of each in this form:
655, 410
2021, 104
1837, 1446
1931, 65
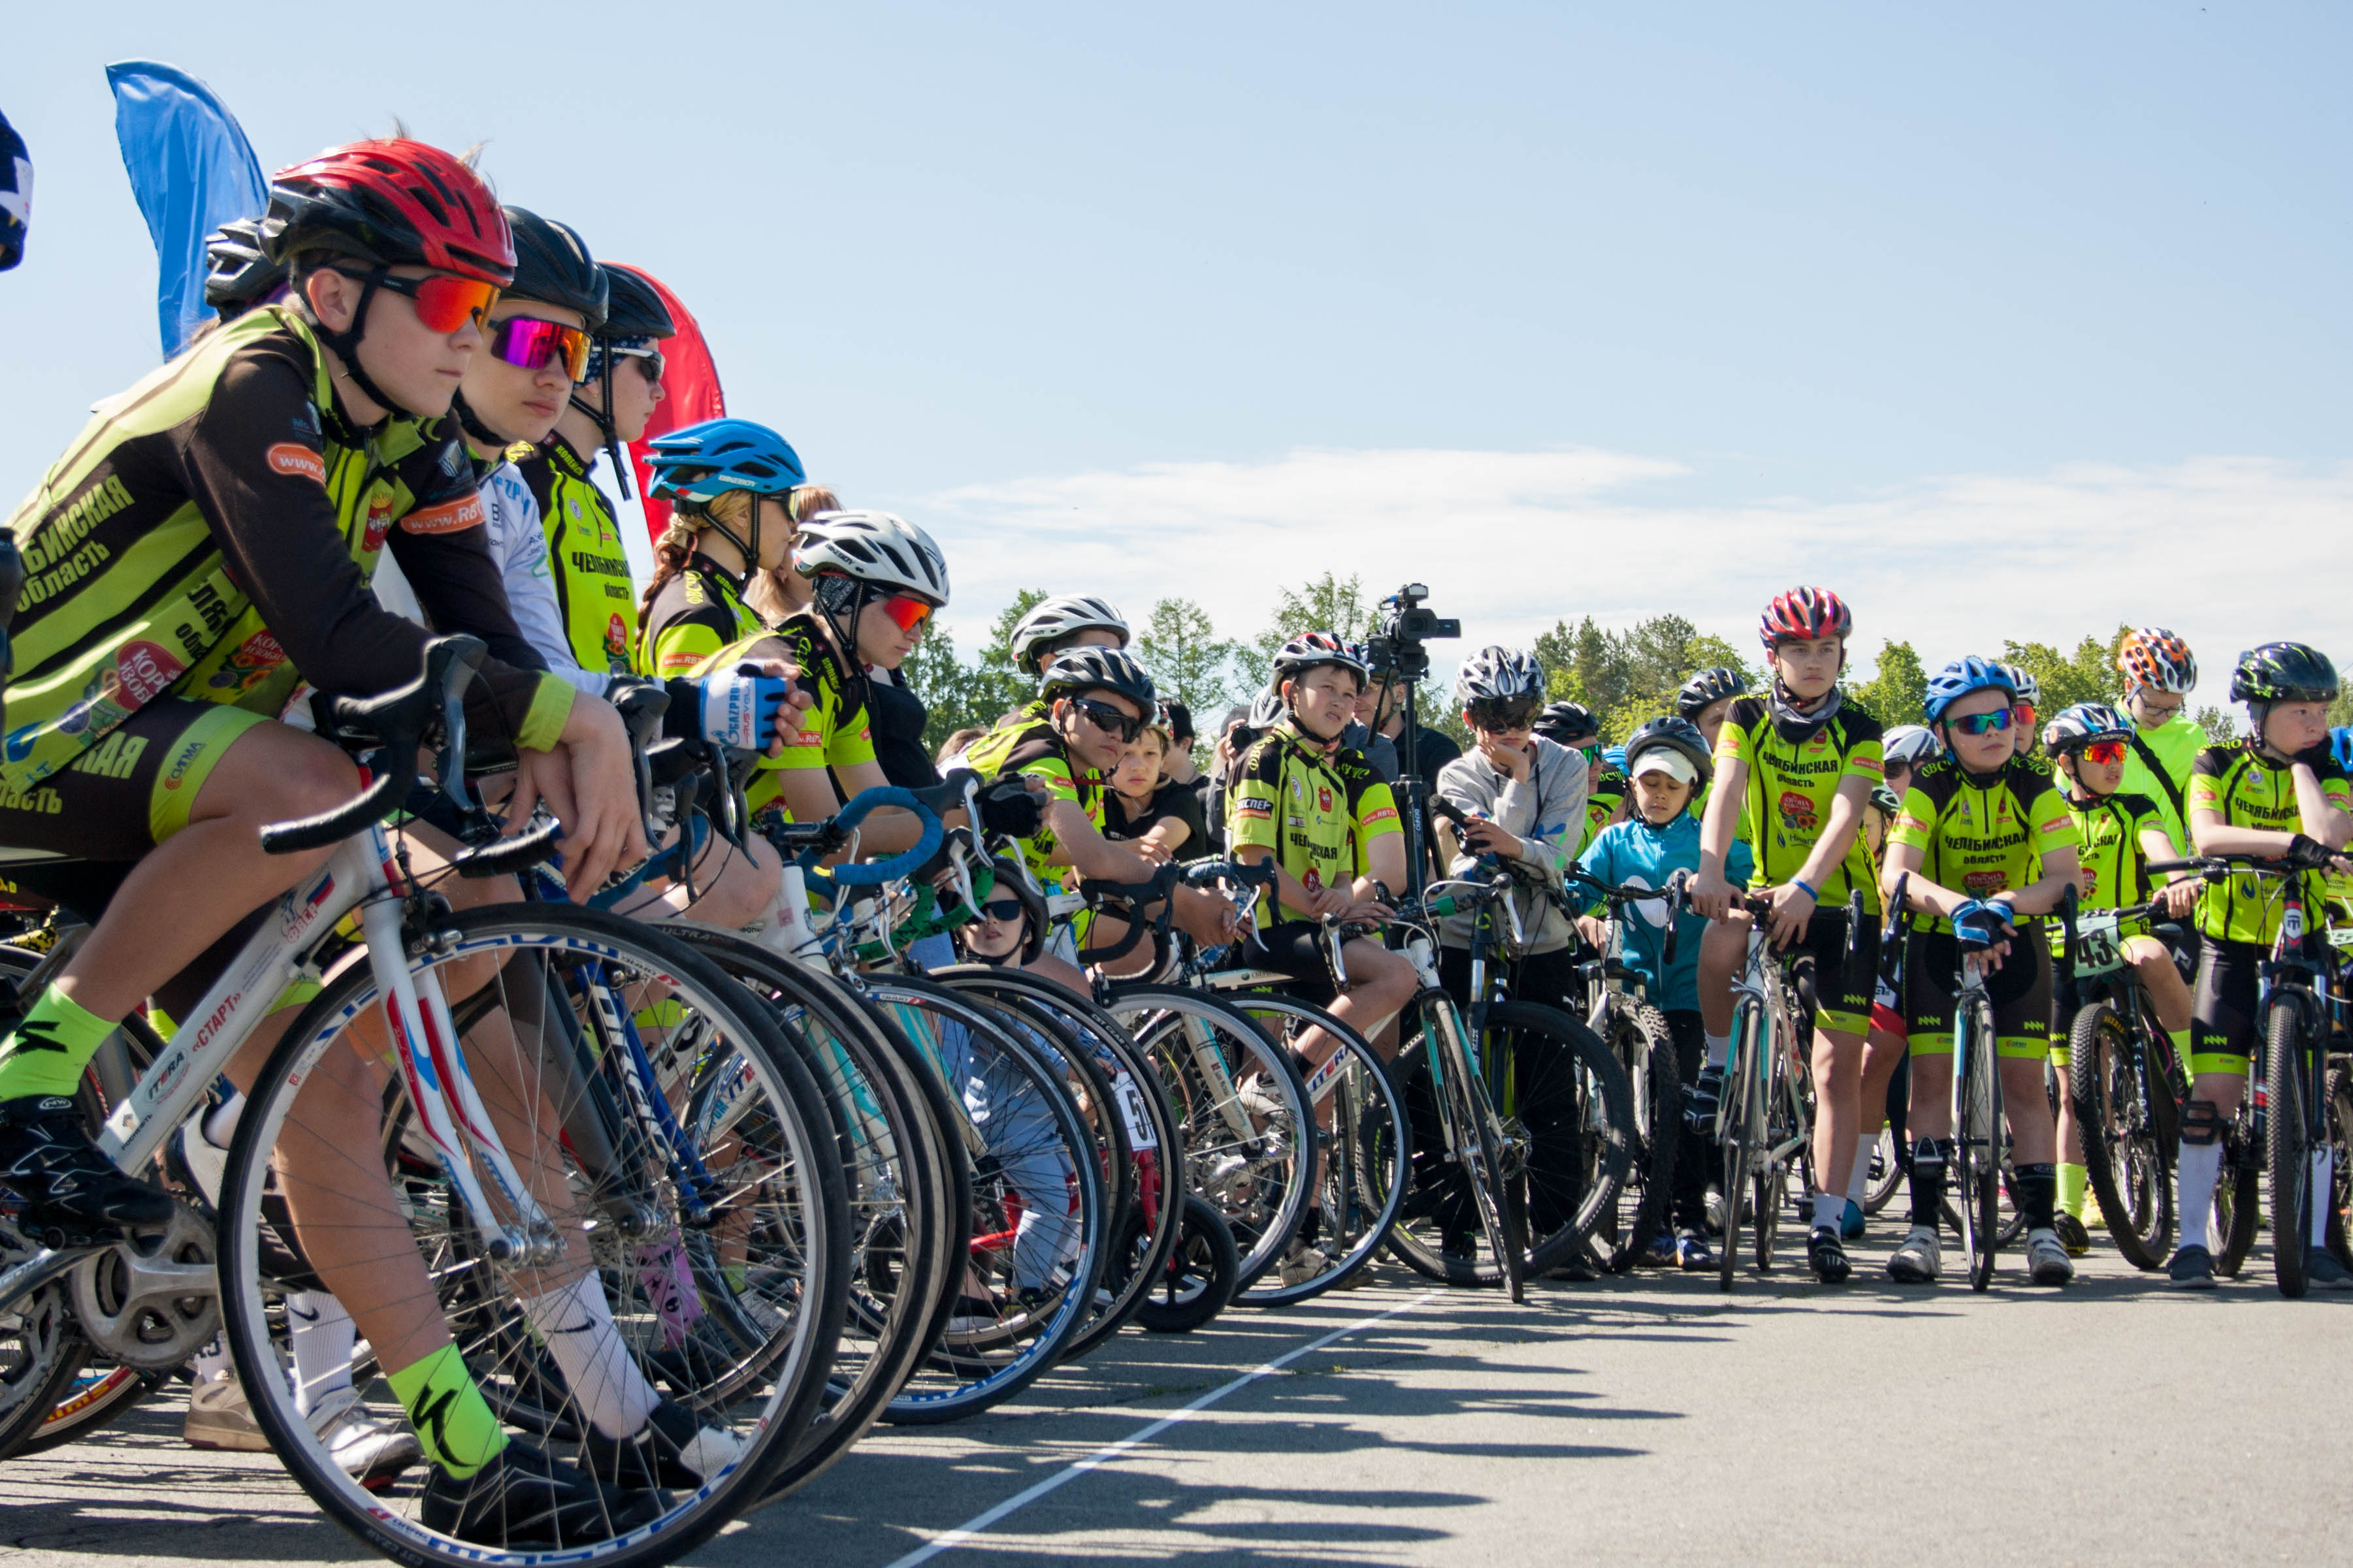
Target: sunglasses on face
1108, 719
444, 302
648, 360
1498, 717
528, 343
2104, 753
2025, 712
906, 612
1004, 911
1992, 723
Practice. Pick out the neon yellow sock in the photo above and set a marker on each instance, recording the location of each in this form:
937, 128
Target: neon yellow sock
2180, 1039
46, 1053
2072, 1181
452, 1420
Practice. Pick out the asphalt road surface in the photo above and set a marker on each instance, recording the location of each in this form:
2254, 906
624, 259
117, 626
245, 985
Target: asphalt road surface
1646, 1419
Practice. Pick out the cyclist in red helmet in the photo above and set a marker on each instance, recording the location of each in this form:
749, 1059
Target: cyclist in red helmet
2159, 671
1795, 767
205, 545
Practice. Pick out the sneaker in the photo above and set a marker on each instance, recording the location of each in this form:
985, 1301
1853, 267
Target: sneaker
47, 1158
2192, 1268
523, 1497
219, 1418
1826, 1255
2072, 1234
1661, 1253
675, 1452
1302, 1262
1919, 1260
370, 1451
2323, 1272
1851, 1224
1692, 1252
2046, 1258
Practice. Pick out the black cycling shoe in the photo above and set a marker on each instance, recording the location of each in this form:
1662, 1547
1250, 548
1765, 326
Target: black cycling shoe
675, 1452
1700, 1102
48, 1159
1826, 1255
524, 1498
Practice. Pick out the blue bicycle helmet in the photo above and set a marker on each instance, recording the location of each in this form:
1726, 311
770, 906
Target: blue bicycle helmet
1960, 678
1614, 758
16, 194
2340, 745
701, 462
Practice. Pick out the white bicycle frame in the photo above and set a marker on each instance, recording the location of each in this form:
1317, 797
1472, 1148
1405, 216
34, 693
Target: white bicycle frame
1762, 978
361, 875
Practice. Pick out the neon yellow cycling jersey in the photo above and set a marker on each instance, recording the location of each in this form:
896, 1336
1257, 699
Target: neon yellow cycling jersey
1981, 838
2172, 747
835, 732
1032, 749
693, 616
2107, 831
1605, 788
1317, 810
2247, 790
1792, 784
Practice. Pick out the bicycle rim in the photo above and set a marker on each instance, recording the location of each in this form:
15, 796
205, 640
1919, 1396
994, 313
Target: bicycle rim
2291, 1167
1980, 1149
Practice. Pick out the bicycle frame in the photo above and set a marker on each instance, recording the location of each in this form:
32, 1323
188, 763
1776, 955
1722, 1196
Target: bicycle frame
1764, 981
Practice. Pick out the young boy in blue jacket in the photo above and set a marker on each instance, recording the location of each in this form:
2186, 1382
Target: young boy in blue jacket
1668, 762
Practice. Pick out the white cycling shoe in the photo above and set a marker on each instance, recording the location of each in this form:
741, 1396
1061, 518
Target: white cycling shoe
1920, 1260
2047, 1262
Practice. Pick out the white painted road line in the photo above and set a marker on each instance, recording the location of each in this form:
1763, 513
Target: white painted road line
980, 1522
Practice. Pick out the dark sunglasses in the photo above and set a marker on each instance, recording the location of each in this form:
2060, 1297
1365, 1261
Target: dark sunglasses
1108, 719
1992, 723
1004, 911
528, 343
648, 360
1497, 715
444, 302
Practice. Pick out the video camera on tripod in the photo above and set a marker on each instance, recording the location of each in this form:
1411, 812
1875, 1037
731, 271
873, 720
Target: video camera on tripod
1399, 654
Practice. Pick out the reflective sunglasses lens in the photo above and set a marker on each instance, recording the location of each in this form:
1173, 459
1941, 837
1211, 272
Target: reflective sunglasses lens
906, 614
529, 344
444, 303
2105, 753
1992, 723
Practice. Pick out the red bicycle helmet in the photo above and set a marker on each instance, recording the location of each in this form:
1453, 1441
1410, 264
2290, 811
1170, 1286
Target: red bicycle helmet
392, 202
1802, 615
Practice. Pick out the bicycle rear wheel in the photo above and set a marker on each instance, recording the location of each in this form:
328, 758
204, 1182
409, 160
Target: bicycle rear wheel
1978, 1142
1198, 1279
2340, 1145
2238, 1198
1647, 1050
2291, 1147
716, 1244
1741, 1120
2127, 1147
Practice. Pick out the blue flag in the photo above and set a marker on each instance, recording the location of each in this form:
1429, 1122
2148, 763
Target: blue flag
192, 170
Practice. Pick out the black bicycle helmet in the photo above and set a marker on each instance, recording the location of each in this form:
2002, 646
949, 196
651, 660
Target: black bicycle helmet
238, 273
632, 308
1673, 734
1708, 688
2284, 672
1568, 724
1077, 670
552, 266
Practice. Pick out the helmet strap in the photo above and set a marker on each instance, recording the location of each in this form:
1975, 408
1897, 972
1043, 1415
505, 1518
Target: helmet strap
346, 344
604, 418
474, 425
836, 598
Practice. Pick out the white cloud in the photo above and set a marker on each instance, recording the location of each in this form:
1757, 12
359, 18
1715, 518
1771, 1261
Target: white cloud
2227, 550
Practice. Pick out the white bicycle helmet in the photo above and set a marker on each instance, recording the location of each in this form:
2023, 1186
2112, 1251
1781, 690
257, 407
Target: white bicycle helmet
1495, 673
875, 548
2030, 690
1064, 615
1908, 743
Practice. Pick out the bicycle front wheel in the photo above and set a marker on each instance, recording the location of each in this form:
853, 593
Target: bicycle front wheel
2291, 1147
2340, 1148
2127, 1148
1978, 1142
696, 1239
1647, 1051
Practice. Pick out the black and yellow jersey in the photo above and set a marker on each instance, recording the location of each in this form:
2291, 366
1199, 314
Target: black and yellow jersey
1317, 809
586, 560
210, 535
1605, 789
692, 616
1792, 783
1031, 749
836, 732
2249, 790
1985, 833
2107, 831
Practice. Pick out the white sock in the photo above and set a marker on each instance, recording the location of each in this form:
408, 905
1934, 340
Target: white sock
321, 1341
1718, 1048
2199, 1168
1859, 1183
576, 1325
213, 1362
2324, 1172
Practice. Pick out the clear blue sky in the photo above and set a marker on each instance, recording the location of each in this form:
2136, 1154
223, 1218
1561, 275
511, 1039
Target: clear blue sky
1845, 265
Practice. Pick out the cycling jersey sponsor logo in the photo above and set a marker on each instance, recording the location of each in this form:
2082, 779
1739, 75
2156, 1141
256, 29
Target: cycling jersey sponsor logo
297, 462
1797, 810
1982, 883
144, 671
19, 743
617, 637
251, 662
379, 524
1323, 798
450, 516
1381, 814
1312, 878
2091, 886
183, 757
678, 663
1255, 805
2054, 826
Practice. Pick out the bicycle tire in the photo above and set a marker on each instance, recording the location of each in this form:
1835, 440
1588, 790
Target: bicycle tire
1642, 1038
781, 1129
1891, 1156
2340, 1144
1148, 1229
2238, 1197
1243, 1144
1736, 1121
1025, 1096
2126, 1159
910, 1190
1197, 1279
1367, 1155
1977, 1140
1497, 1202
2290, 1147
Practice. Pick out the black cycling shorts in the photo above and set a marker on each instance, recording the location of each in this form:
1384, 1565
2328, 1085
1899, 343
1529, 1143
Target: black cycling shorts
1843, 988
1293, 948
2019, 992
2223, 1012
